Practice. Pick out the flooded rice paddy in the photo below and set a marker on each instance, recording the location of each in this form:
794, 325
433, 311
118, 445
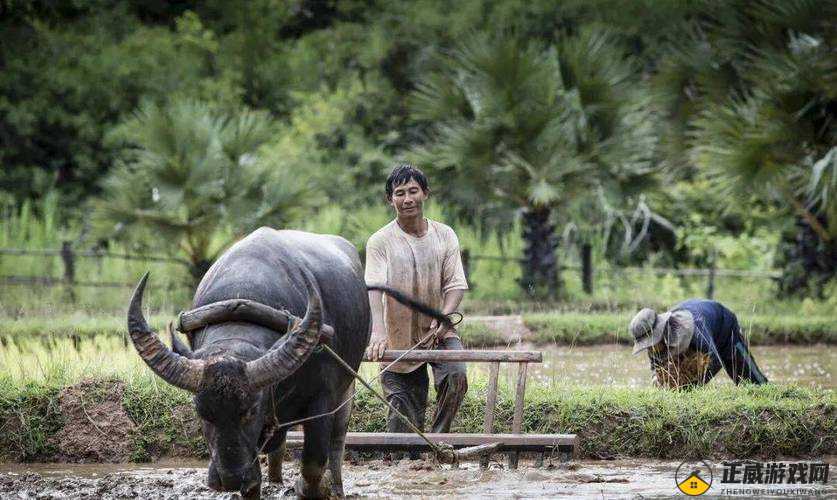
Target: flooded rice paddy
375, 479
609, 365
614, 365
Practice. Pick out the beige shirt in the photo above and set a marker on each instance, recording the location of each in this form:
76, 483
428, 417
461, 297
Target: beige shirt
424, 268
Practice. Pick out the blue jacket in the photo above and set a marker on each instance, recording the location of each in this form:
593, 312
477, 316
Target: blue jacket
718, 335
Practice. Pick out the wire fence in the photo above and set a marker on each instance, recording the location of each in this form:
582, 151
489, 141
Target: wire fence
588, 275
483, 271
69, 258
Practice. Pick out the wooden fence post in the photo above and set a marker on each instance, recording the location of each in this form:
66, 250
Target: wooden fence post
587, 267
68, 258
710, 285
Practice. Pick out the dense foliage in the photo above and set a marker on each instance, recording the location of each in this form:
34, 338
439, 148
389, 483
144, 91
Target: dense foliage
664, 132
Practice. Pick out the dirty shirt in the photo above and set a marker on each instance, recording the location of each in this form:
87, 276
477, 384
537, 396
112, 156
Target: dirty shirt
425, 268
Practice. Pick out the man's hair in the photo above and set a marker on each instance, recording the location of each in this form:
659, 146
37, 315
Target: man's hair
401, 174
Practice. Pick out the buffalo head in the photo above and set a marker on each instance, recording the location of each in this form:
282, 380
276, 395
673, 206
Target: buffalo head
229, 392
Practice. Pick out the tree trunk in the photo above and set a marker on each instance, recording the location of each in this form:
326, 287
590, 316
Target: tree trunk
539, 273
807, 261
198, 269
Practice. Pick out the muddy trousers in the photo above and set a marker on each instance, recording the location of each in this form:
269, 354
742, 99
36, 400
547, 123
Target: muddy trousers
408, 392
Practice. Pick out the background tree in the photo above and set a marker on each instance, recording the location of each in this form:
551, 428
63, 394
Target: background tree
517, 127
196, 179
757, 90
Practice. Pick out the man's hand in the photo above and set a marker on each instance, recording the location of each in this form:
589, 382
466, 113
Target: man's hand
377, 345
439, 329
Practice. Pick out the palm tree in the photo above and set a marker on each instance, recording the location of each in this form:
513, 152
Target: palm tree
759, 86
517, 128
196, 178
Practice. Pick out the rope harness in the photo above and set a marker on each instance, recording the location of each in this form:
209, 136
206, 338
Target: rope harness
442, 452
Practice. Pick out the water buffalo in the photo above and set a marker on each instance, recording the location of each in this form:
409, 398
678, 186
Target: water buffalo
246, 376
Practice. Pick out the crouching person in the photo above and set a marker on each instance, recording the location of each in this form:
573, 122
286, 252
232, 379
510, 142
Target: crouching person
688, 345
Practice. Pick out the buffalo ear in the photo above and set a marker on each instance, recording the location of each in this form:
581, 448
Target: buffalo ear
177, 345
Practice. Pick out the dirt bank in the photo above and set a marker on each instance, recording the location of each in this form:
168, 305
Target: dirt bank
96, 426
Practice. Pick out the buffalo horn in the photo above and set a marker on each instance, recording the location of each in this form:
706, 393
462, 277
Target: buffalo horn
173, 368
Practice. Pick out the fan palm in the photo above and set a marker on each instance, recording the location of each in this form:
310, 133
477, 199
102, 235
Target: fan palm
764, 114
515, 127
190, 174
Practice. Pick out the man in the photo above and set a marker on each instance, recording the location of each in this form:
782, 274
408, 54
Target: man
419, 257
688, 345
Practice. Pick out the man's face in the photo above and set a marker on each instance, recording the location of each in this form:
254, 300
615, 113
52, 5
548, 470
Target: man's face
407, 199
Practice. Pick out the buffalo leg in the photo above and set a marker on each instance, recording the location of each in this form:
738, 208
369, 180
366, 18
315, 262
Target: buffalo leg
274, 464
338, 444
274, 457
314, 457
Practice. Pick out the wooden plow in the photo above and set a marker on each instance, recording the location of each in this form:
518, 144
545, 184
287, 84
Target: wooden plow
562, 445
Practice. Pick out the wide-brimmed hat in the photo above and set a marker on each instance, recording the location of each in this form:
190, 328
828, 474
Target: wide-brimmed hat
649, 328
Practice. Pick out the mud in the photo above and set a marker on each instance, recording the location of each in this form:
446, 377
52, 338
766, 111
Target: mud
96, 427
375, 479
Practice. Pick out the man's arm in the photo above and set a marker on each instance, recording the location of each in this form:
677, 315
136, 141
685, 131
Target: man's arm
376, 274
378, 342
454, 283
452, 300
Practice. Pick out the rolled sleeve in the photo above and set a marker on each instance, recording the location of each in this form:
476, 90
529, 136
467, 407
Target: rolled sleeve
376, 264
453, 274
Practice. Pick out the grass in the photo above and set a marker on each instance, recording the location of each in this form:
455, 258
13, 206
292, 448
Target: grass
574, 328
717, 422
79, 325
588, 329
569, 328
714, 421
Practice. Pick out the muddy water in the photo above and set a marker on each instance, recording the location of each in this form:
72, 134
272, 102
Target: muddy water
812, 366
375, 479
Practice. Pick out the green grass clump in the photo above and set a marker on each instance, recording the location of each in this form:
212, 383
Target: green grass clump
166, 422
577, 328
745, 421
29, 416
711, 422
77, 325
574, 328
587, 329
559, 328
